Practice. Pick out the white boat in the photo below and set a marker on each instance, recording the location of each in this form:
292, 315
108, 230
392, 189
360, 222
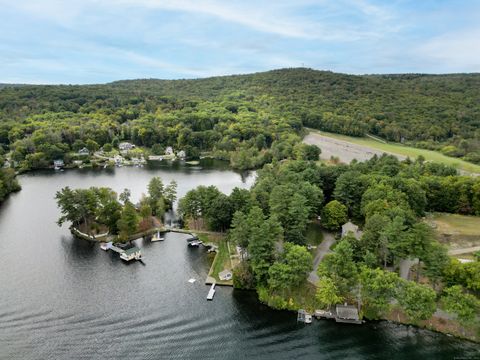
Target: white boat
157, 237
211, 292
308, 319
105, 246
195, 243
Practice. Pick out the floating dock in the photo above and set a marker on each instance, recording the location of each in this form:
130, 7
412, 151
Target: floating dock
211, 292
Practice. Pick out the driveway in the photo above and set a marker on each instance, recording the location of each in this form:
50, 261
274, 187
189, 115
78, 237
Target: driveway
322, 250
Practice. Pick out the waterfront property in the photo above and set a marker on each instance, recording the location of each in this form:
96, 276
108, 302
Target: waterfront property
304, 316
58, 164
133, 253
347, 314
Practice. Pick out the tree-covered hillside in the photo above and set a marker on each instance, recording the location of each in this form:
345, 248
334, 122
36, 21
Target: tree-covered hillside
249, 119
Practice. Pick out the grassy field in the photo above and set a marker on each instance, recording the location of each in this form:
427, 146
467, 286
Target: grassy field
456, 231
399, 149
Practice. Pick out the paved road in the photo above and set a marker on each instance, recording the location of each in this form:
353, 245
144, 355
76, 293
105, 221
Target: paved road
344, 150
322, 250
464, 250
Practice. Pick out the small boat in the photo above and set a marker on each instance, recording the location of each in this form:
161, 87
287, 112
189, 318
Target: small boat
157, 237
105, 246
308, 319
211, 292
195, 243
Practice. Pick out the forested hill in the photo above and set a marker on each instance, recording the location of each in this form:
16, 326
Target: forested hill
434, 111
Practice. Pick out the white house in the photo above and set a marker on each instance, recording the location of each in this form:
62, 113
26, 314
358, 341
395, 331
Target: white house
169, 150
58, 164
181, 154
126, 146
118, 160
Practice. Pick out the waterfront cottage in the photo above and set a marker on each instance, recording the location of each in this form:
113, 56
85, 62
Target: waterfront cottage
57, 164
169, 150
181, 154
131, 253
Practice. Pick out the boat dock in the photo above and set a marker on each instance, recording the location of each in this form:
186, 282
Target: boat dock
341, 313
211, 292
304, 317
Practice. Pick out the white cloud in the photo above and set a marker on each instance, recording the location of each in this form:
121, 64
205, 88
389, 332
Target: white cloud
458, 51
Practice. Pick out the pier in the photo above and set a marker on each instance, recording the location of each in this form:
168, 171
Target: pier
211, 292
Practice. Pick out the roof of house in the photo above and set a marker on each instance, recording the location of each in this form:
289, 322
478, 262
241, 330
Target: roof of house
347, 312
132, 250
350, 227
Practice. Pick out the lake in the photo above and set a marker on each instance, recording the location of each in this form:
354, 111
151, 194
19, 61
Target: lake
63, 298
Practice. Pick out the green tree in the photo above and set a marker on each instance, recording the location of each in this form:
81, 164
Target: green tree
328, 293
418, 301
455, 301
128, 222
377, 288
334, 215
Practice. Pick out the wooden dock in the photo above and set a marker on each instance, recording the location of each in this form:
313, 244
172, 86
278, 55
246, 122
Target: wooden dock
211, 292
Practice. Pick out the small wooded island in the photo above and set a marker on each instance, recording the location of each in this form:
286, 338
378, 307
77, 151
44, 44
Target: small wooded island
100, 214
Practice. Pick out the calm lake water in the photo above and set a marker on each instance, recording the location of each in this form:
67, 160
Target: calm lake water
62, 298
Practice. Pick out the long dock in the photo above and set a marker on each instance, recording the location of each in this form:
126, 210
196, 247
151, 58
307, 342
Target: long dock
211, 292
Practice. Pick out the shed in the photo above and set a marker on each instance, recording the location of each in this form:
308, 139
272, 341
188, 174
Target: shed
347, 314
225, 275
351, 227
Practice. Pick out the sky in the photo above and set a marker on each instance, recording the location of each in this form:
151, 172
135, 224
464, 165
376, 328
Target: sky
98, 41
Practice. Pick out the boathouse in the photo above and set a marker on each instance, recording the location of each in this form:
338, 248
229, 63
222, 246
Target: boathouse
347, 314
131, 254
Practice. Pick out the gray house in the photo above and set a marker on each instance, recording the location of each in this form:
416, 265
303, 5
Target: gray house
351, 227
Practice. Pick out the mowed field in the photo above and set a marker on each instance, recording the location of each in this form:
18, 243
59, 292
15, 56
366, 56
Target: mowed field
347, 148
460, 233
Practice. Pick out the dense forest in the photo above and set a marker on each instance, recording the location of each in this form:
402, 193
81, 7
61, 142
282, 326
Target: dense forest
386, 197
247, 119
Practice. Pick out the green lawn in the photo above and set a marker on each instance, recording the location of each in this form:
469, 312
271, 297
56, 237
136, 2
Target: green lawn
400, 149
456, 224
456, 231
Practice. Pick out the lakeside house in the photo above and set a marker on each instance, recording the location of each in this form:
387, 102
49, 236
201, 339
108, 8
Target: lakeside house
6, 164
131, 254
58, 164
83, 151
169, 151
350, 227
225, 275
181, 154
347, 314
118, 160
125, 146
